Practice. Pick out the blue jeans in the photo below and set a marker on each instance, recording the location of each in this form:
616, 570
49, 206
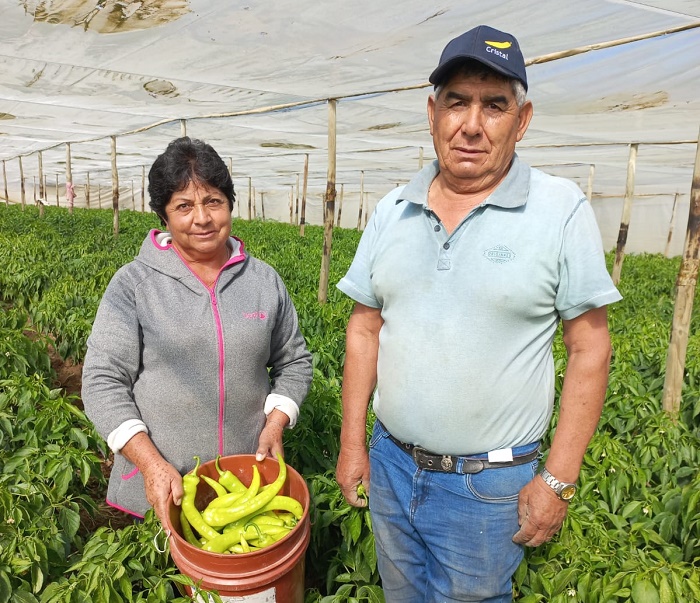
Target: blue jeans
444, 537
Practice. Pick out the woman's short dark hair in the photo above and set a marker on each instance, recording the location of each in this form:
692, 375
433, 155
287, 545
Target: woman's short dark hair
186, 160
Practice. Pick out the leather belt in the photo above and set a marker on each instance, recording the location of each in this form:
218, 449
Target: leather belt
447, 463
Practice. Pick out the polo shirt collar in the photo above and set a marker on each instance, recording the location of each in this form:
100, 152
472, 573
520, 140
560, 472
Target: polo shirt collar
512, 192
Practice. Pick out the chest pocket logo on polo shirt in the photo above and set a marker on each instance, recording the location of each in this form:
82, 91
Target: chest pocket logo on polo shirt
500, 254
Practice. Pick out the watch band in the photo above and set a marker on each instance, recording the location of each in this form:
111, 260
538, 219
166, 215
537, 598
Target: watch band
564, 490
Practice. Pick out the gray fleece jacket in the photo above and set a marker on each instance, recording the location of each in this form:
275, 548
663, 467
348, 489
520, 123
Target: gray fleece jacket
195, 365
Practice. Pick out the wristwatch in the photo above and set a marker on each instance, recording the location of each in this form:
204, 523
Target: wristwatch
563, 490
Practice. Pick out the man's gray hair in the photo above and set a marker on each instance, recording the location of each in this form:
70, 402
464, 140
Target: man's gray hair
474, 68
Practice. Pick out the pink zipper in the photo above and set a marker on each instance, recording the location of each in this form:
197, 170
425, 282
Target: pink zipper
220, 345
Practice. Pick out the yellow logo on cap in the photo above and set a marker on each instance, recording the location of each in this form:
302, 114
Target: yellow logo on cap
502, 45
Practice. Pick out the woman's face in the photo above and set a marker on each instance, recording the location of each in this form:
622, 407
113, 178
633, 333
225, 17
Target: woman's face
199, 220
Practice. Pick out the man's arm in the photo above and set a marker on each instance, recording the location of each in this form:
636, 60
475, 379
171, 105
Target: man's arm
359, 381
587, 342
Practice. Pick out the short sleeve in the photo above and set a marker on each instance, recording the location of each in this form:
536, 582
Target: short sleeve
584, 283
357, 283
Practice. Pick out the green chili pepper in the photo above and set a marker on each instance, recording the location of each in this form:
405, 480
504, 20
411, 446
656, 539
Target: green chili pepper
228, 479
285, 503
225, 541
187, 531
269, 534
267, 520
238, 549
252, 532
194, 517
290, 520
216, 486
234, 525
221, 517
237, 498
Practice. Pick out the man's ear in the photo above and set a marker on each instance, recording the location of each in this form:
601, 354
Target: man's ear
524, 117
431, 112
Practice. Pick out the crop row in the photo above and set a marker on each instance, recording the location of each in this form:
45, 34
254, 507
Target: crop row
633, 533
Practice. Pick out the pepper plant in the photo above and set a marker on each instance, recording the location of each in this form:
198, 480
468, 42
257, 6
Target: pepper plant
631, 535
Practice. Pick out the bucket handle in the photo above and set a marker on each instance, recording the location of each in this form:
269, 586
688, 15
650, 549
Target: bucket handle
155, 540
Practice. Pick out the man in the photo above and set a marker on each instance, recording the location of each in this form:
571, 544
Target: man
461, 278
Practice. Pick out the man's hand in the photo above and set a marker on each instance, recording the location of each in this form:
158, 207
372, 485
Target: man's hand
540, 513
352, 471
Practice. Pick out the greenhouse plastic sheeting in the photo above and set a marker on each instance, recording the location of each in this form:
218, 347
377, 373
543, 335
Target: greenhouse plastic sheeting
253, 78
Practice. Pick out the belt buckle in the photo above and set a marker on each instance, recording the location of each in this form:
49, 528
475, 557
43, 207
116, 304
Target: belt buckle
414, 453
427, 460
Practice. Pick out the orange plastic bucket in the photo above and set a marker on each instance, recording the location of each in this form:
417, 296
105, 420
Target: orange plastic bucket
272, 574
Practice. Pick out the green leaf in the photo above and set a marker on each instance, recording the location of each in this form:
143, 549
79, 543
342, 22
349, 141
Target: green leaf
644, 592
69, 521
665, 592
62, 481
371, 593
631, 508
5, 587
22, 596
37, 577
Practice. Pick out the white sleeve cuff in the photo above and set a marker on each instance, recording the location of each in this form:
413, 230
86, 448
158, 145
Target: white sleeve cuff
286, 405
122, 434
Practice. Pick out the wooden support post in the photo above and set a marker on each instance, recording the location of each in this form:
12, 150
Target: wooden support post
183, 127
133, 199
329, 204
362, 199
34, 188
296, 204
230, 171
42, 187
589, 193
250, 197
626, 213
255, 206
70, 193
4, 179
22, 191
302, 220
87, 190
366, 210
115, 187
262, 205
340, 204
685, 293
420, 158
143, 188
671, 223
291, 205
57, 201
42, 183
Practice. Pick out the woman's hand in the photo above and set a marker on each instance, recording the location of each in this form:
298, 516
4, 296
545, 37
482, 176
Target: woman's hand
270, 442
160, 478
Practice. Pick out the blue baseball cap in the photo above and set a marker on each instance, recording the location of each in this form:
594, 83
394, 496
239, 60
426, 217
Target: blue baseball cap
496, 49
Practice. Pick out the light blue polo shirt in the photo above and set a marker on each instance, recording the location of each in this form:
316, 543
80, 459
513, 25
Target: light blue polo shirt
465, 353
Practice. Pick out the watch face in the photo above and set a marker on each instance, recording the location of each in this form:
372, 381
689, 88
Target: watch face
568, 492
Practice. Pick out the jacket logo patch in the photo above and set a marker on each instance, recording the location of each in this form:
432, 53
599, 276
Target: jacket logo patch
500, 254
255, 315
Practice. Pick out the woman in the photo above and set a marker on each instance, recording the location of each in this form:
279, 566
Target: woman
195, 348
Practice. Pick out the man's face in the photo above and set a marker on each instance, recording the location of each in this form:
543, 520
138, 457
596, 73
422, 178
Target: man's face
475, 123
